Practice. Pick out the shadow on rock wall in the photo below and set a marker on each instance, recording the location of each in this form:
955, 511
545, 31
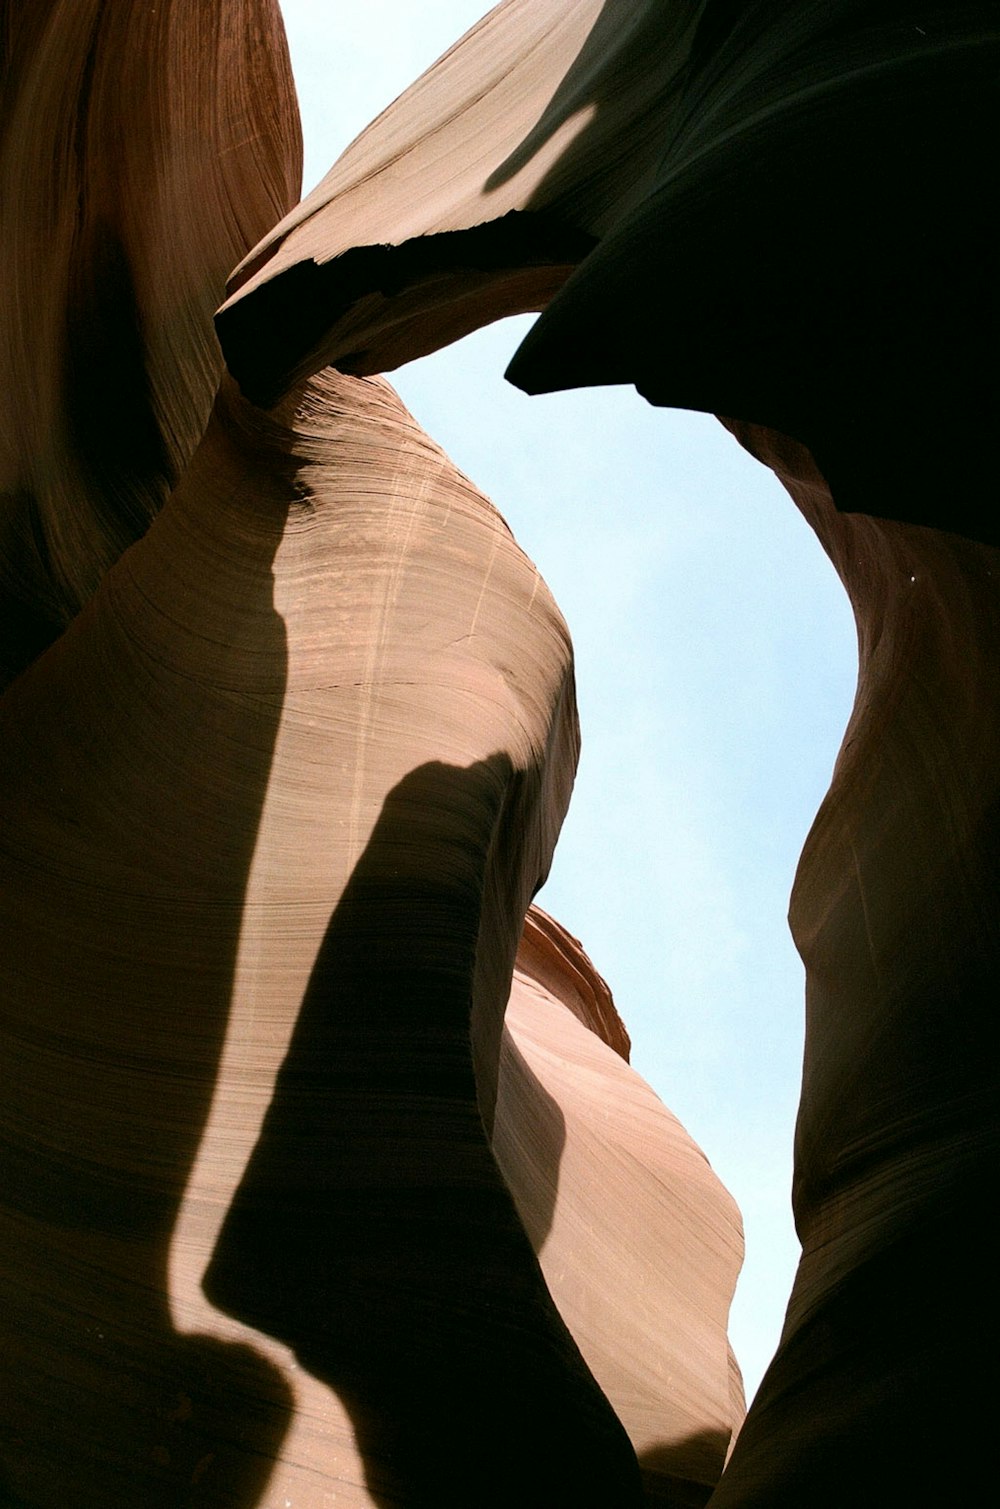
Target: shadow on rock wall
136, 754
662, 1488
372, 1231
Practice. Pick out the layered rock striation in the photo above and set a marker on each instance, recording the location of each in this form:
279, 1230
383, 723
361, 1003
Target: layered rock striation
894, 913
799, 241
276, 803
639, 1243
141, 151
290, 733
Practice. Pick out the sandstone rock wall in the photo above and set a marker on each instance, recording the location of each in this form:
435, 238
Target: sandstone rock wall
290, 732
894, 913
142, 149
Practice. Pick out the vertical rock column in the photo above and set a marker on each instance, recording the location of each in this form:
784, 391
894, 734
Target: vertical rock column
871, 1395
422, 767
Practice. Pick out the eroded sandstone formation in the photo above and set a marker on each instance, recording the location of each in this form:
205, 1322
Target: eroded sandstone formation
769, 189
141, 150
254, 890
336, 712
280, 789
471, 197
642, 1276
894, 911
276, 801
807, 249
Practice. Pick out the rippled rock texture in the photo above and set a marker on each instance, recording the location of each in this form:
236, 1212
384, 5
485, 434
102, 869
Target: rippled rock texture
320, 1177
289, 736
141, 150
795, 235
639, 1243
276, 803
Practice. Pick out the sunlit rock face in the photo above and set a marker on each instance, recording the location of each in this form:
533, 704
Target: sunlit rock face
143, 149
774, 210
799, 241
276, 804
639, 1243
254, 1241
282, 769
471, 197
286, 1214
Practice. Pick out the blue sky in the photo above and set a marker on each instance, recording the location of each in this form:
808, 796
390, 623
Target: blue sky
716, 662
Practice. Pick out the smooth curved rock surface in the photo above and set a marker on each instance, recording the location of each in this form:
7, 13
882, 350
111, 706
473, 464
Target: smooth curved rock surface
814, 256
469, 198
276, 803
894, 912
277, 799
639, 1242
816, 253
142, 151
770, 190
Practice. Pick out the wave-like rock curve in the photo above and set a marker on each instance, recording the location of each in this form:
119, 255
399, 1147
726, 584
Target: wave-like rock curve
894, 913
276, 803
639, 1242
471, 197
142, 151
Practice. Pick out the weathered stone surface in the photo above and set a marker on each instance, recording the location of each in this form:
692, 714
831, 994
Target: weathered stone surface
894, 911
811, 255
276, 803
639, 1242
471, 197
142, 151
753, 193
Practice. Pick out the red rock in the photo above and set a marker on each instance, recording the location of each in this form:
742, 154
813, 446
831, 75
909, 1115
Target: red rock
143, 151
894, 913
275, 805
813, 253
639, 1242
470, 198
277, 799
808, 253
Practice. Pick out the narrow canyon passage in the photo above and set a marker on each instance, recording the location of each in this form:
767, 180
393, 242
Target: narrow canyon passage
716, 660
